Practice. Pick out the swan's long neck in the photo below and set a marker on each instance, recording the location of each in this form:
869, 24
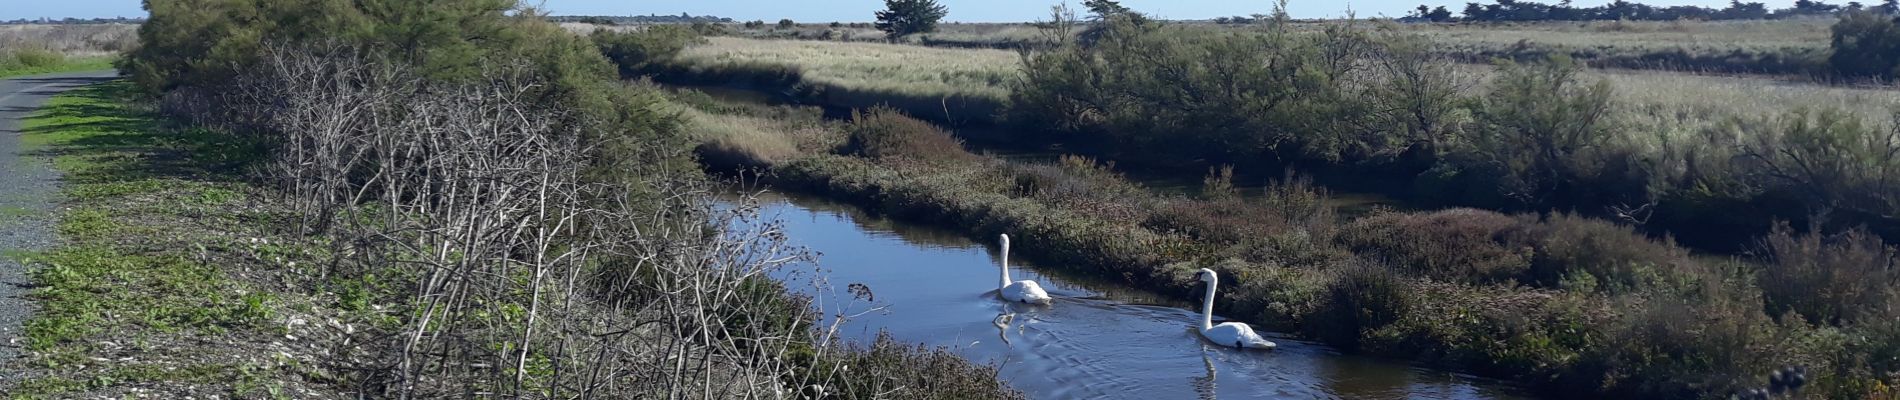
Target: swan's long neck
1207, 304
1005, 263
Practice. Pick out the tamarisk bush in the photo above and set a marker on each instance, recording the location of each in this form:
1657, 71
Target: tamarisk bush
505, 268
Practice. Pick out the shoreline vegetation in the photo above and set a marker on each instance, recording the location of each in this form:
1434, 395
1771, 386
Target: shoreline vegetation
344, 218
1663, 151
1570, 304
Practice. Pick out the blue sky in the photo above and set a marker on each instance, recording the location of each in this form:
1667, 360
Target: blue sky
860, 10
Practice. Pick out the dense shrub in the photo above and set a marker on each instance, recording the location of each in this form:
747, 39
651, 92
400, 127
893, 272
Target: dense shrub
1457, 244
1176, 91
1838, 280
1416, 112
1583, 254
884, 133
1363, 299
204, 42
638, 52
1866, 44
1539, 130
1827, 158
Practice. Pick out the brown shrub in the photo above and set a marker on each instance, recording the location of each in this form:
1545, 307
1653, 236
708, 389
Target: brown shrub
1364, 298
1455, 244
1575, 252
887, 135
1832, 281
1291, 206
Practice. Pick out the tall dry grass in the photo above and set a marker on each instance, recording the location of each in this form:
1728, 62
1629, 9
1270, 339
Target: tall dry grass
1767, 46
87, 40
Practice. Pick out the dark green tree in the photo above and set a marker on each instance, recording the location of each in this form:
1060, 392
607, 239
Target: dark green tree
1866, 45
904, 17
1102, 9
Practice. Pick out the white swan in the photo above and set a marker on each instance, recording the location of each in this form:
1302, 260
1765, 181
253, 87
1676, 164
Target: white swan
1024, 291
1234, 334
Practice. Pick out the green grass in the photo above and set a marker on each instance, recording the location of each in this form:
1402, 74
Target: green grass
144, 266
94, 63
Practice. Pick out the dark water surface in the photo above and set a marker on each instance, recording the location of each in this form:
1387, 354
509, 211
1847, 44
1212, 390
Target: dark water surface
1098, 340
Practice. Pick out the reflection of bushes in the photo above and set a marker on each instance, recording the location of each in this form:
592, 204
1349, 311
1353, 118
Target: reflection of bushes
639, 51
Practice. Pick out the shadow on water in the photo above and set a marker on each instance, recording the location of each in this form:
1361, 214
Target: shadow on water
1099, 340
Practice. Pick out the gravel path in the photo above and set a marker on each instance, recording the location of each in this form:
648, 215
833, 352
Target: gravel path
28, 194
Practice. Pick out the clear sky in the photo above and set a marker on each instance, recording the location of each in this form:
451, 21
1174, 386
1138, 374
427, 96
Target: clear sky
860, 10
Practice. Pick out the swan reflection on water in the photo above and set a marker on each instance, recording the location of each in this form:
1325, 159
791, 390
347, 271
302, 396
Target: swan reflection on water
1204, 387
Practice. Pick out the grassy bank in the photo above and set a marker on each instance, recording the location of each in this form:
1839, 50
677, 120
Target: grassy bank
1571, 306
168, 279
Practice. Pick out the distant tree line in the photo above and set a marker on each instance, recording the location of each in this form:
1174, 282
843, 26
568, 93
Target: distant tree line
74, 21
683, 18
1518, 10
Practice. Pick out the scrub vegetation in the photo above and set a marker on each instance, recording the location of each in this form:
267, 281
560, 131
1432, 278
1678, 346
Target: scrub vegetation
1572, 306
444, 200
1659, 149
1597, 301
39, 49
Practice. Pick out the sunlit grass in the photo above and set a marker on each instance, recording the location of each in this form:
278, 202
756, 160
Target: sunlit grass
1636, 36
874, 67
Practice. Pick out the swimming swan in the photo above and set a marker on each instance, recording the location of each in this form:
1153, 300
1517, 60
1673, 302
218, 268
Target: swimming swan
1024, 291
1234, 334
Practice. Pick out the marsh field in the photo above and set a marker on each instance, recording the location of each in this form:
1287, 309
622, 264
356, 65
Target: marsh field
351, 200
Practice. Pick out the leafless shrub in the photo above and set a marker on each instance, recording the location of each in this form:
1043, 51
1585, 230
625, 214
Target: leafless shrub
515, 274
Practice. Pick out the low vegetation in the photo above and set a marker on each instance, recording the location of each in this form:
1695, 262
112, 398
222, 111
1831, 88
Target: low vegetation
39, 49
1796, 47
